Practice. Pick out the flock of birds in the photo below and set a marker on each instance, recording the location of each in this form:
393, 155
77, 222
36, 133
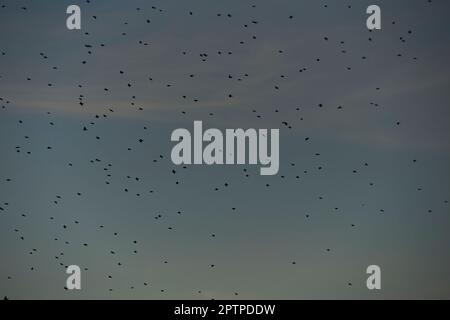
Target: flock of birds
90, 127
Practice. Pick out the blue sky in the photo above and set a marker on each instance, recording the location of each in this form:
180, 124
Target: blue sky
394, 117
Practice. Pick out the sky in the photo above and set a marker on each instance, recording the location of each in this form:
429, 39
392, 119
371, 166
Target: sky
364, 149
